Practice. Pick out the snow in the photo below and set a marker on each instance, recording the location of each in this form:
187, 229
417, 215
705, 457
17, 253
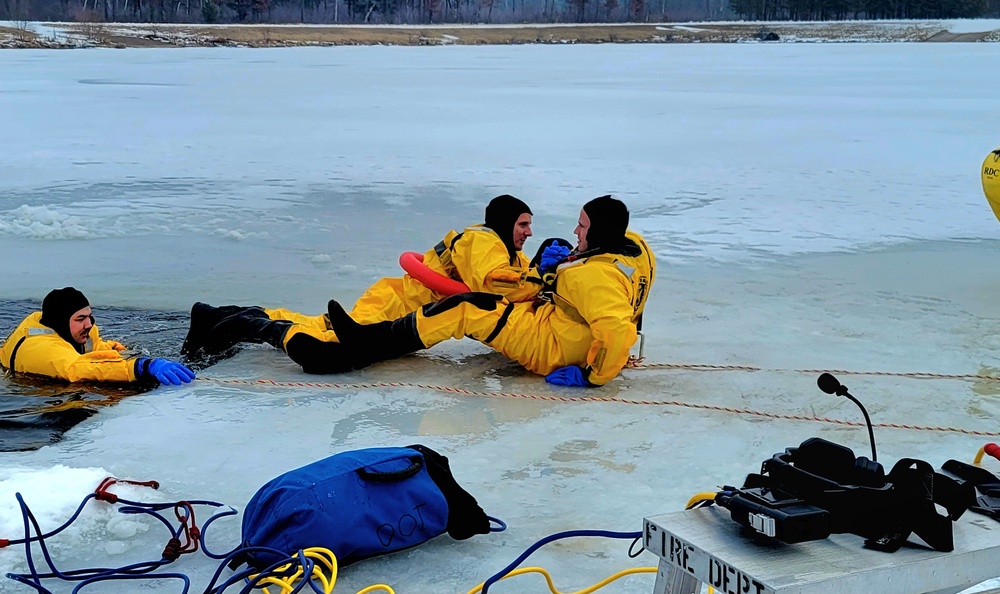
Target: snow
972, 25
811, 206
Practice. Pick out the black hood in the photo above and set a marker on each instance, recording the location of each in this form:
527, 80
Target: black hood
57, 309
501, 214
608, 223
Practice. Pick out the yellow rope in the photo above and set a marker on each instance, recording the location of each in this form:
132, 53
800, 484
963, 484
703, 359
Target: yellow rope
606, 399
324, 558
552, 587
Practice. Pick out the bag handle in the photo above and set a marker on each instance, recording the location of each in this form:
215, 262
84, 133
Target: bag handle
416, 465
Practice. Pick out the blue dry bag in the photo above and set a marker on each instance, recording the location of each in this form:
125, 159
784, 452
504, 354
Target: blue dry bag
360, 504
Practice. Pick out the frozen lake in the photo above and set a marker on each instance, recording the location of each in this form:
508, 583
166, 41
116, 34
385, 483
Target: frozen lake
812, 207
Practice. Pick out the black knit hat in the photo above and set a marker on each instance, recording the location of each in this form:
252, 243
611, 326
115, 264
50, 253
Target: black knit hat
501, 214
608, 223
58, 307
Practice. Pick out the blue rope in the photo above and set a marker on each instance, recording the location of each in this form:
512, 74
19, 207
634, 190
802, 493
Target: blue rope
204, 528
99, 578
557, 536
134, 571
244, 575
501, 525
30, 521
76, 514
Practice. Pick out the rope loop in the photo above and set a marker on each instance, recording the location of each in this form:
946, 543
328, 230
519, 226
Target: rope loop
184, 513
102, 493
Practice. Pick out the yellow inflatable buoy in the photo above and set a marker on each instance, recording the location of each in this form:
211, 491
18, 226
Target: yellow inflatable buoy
991, 180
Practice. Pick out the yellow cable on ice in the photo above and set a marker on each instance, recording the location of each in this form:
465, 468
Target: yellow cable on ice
552, 586
323, 559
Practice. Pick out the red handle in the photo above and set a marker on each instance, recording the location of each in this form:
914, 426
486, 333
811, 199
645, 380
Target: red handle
993, 450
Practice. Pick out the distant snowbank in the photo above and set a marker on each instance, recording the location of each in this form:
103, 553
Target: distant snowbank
952, 25
972, 25
48, 34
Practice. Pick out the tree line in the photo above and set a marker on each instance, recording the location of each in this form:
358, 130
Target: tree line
824, 10
363, 11
483, 11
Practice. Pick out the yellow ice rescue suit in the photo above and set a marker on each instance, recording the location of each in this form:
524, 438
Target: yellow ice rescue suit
991, 180
589, 322
38, 349
476, 256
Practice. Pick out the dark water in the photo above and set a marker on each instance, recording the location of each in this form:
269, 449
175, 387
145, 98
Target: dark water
36, 411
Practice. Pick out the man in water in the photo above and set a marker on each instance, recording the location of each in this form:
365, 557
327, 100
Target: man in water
581, 336
62, 341
486, 257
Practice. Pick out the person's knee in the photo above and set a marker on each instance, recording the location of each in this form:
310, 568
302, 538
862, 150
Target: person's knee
316, 356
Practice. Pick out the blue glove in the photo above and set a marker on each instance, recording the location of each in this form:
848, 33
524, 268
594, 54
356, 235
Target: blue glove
571, 375
552, 256
166, 372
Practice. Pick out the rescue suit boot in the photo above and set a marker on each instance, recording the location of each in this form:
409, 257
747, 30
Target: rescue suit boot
371, 343
204, 317
318, 356
251, 324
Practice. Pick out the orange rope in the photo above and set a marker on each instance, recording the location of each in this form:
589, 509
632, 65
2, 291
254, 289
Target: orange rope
610, 399
909, 374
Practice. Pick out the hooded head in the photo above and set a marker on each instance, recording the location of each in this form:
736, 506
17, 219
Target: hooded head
502, 214
608, 218
58, 308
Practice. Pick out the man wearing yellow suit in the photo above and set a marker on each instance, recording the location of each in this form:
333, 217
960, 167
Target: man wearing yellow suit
62, 342
581, 337
485, 257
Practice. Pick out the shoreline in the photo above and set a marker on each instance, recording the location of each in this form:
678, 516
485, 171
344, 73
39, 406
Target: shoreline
25, 35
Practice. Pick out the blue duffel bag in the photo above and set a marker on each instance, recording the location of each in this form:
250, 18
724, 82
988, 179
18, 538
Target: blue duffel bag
360, 504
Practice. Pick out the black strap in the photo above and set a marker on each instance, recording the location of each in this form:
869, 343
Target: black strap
988, 506
13, 354
441, 247
416, 463
500, 324
484, 301
984, 480
985, 483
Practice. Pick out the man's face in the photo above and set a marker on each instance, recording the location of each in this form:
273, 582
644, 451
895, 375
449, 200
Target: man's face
80, 324
522, 230
582, 226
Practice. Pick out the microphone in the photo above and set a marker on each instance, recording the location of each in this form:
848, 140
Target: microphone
832, 385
